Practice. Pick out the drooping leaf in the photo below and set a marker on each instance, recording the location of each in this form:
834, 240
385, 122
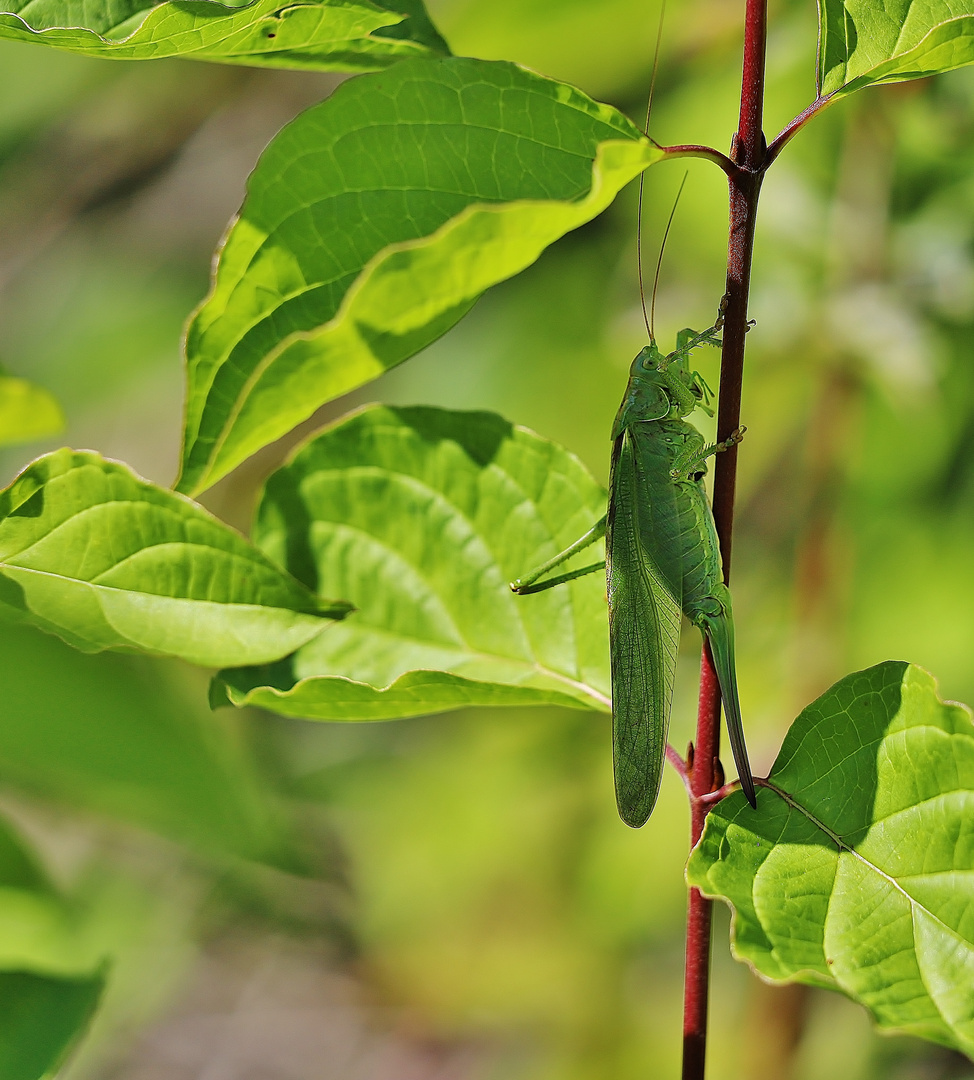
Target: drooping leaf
423, 516
325, 35
371, 225
27, 411
862, 43
37, 929
49, 979
857, 870
41, 1017
104, 559
40, 932
119, 735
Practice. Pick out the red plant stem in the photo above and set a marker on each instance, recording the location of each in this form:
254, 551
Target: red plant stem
789, 131
722, 161
696, 983
748, 153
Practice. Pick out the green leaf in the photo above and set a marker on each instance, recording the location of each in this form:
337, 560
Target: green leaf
372, 224
423, 516
325, 35
49, 986
123, 736
40, 1019
39, 930
26, 412
857, 870
104, 559
862, 42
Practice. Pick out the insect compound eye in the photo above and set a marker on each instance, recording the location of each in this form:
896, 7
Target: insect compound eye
644, 360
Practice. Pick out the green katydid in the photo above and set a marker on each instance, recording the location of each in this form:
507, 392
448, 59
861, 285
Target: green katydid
662, 559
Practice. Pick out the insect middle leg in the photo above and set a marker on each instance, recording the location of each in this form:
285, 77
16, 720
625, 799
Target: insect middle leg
686, 465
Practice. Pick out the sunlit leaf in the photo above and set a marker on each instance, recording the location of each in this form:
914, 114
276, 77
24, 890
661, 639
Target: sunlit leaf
26, 411
862, 42
372, 223
104, 559
857, 870
342, 35
422, 516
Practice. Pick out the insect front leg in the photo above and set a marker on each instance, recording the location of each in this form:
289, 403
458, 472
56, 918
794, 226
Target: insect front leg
689, 462
525, 585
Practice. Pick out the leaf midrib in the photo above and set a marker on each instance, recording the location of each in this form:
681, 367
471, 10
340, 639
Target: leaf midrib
190, 515
897, 52
421, 484
473, 200
157, 596
842, 845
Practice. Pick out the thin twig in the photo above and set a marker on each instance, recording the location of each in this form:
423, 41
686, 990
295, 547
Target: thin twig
789, 131
673, 757
699, 151
684, 769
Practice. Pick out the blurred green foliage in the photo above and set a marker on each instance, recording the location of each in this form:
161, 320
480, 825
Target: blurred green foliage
468, 872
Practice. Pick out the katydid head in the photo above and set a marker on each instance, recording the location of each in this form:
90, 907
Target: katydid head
649, 358
648, 393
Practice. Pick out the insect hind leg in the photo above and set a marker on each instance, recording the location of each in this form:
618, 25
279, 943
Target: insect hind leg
528, 584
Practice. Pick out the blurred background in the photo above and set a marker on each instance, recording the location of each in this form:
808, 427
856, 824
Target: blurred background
454, 897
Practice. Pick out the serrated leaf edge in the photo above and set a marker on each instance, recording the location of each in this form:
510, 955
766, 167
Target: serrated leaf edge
813, 975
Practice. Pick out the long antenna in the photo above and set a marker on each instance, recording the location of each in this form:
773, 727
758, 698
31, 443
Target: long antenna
642, 180
659, 261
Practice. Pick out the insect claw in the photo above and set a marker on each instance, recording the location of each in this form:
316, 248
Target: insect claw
722, 311
732, 440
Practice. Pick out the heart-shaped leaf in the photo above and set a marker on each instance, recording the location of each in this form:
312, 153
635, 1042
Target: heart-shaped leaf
422, 516
326, 35
372, 223
104, 559
856, 872
862, 42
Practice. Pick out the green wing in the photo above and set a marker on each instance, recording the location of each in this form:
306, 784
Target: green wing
644, 638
